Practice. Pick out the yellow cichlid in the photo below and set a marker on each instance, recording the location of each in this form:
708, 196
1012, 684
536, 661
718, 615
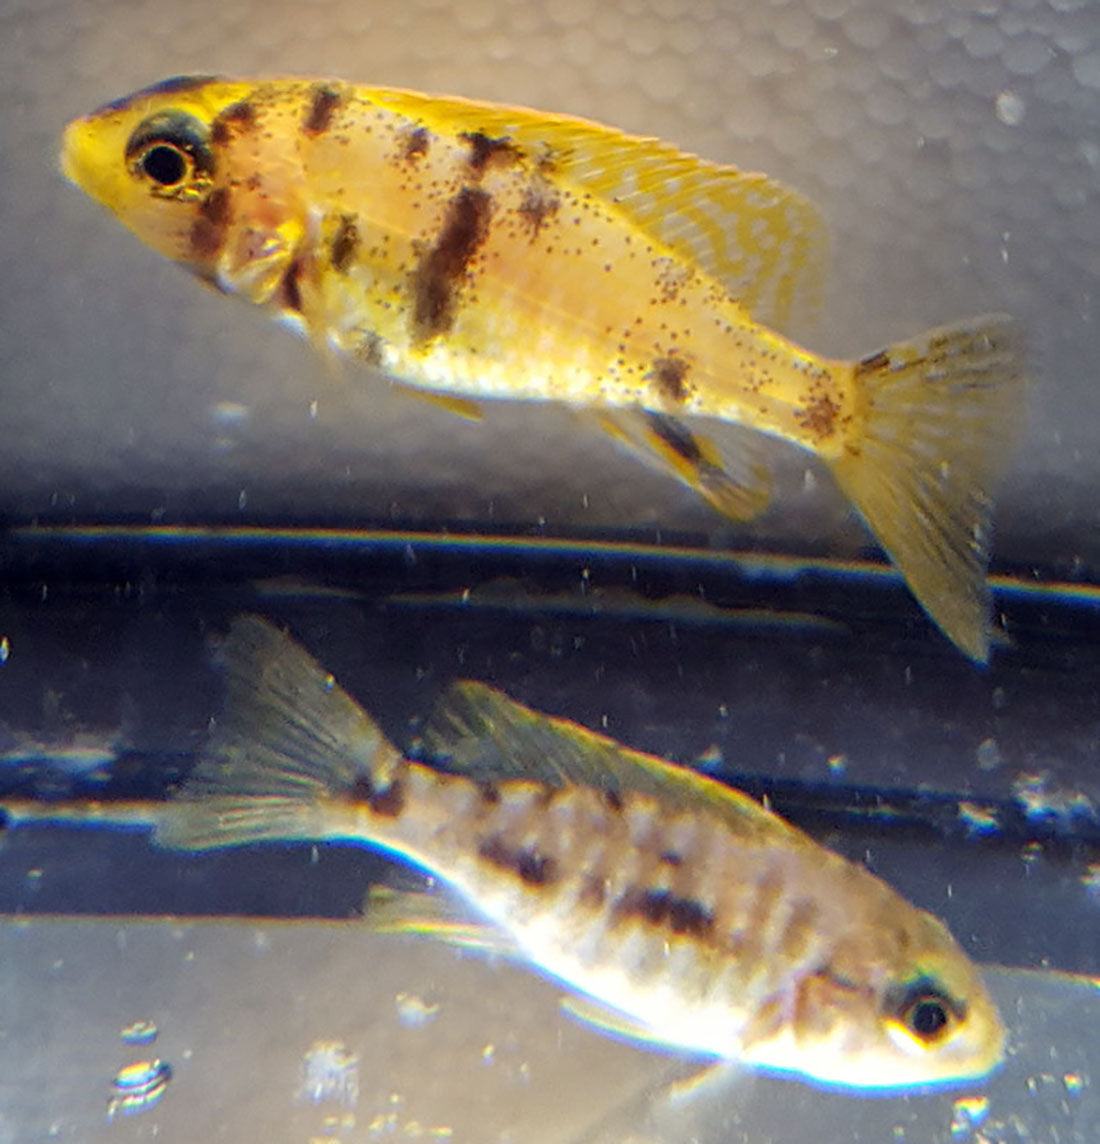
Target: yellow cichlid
684, 913
477, 251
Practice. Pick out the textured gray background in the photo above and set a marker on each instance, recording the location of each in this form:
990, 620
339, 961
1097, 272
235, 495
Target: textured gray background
953, 147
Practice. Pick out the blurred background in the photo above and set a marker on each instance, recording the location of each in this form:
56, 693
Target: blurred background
170, 459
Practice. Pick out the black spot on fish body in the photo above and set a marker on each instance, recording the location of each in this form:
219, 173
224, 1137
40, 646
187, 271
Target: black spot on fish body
612, 800
241, 115
389, 802
485, 150
417, 143
819, 416
528, 864
671, 858
208, 229
344, 243
545, 795
324, 102
539, 205
438, 277
489, 793
668, 375
663, 908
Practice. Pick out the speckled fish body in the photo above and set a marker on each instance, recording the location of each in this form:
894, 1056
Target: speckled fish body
696, 918
477, 251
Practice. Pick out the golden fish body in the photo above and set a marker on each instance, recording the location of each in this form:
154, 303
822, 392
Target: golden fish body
478, 251
686, 912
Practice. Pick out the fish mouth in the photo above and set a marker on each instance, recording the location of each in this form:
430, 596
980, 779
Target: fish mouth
76, 150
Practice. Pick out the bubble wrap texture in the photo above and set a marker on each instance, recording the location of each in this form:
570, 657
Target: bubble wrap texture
953, 148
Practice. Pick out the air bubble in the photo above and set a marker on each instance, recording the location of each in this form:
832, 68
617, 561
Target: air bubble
1010, 108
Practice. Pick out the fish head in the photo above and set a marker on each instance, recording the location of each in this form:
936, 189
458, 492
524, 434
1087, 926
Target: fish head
906, 1010
179, 164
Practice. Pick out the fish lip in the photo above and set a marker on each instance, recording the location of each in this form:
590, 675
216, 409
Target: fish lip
70, 145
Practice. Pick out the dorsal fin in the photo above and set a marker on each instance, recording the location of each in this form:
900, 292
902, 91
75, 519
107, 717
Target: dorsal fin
478, 731
765, 243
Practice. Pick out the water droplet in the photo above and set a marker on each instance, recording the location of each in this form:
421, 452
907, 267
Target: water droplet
330, 1071
138, 1087
1010, 108
139, 1033
414, 1012
989, 755
968, 1113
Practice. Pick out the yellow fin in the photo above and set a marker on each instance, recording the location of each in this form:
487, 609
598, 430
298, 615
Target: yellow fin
939, 413
422, 913
460, 406
733, 480
476, 730
765, 243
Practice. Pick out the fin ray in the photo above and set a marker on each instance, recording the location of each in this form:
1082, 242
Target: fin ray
287, 737
477, 730
939, 414
728, 472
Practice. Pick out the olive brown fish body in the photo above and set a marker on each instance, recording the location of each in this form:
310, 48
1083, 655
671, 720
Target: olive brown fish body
700, 920
477, 251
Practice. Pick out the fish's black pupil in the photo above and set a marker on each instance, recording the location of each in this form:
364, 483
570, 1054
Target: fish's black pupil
163, 164
927, 1018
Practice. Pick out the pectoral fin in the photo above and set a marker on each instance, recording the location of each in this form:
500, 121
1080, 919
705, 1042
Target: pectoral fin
460, 406
611, 1022
432, 914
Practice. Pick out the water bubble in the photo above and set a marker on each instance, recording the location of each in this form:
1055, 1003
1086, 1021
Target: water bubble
414, 1012
988, 755
139, 1033
978, 819
330, 1071
138, 1087
968, 1113
1010, 108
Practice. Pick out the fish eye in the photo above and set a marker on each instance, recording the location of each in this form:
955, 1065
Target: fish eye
172, 150
164, 164
927, 1013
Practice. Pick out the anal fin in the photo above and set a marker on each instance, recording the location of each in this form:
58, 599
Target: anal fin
731, 476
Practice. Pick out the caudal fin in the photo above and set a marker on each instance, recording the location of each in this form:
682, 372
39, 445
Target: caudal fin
941, 412
287, 738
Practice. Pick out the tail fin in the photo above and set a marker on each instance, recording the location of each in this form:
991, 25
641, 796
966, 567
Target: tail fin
940, 413
288, 737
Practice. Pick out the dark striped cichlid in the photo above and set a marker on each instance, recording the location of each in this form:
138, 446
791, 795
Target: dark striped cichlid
476, 251
679, 910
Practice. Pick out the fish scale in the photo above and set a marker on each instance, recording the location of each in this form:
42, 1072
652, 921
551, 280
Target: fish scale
475, 251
